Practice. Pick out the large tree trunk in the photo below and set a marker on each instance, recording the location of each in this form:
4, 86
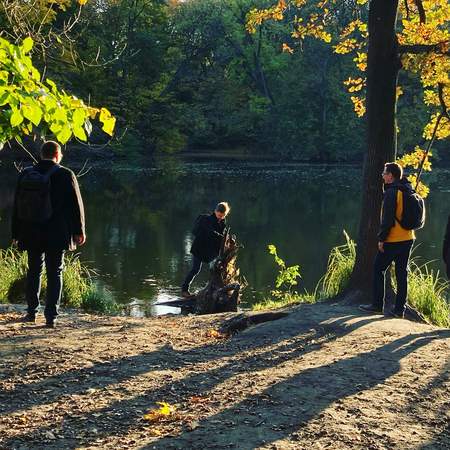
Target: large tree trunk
383, 65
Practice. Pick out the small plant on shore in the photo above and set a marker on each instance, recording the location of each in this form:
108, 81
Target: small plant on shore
80, 290
98, 298
286, 279
339, 268
427, 293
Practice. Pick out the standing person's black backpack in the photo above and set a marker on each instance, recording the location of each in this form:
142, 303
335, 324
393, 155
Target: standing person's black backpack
413, 217
33, 195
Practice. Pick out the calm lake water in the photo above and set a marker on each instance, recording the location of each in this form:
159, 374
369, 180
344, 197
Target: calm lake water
139, 221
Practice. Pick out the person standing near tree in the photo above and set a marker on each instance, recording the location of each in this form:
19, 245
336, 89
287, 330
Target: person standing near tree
208, 233
402, 212
48, 219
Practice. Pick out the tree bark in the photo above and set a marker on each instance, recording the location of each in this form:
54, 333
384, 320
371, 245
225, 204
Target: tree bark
222, 293
383, 65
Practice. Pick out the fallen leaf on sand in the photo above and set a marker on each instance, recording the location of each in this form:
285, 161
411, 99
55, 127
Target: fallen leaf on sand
162, 412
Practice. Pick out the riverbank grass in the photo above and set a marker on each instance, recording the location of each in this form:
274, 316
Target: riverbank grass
427, 291
80, 289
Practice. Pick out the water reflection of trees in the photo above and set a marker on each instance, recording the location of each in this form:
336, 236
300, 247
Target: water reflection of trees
139, 222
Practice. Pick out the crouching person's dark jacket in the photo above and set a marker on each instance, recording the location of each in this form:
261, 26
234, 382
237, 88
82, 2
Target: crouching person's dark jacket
206, 245
67, 218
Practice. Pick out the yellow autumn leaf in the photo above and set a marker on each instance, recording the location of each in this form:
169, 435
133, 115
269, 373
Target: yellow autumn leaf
160, 413
82, 2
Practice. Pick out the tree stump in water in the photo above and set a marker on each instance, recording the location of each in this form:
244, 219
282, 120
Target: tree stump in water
222, 293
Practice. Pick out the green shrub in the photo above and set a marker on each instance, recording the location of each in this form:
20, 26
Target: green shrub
427, 293
80, 290
286, 279
99, 299
339, 268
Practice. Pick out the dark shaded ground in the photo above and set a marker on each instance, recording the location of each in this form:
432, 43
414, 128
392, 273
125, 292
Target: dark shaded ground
324, 377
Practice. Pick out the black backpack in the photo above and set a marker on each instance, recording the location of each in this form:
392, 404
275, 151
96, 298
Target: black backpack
413, 217
33, 195
198, 224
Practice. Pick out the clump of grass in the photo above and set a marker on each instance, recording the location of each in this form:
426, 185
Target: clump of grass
339, 268
287, 299
80, 290
13, 270
99, 299
427, 293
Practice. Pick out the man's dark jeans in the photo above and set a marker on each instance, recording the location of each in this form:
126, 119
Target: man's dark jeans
196, 267
397, 252
54, 264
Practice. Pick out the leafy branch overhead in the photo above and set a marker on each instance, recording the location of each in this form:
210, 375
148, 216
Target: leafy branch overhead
423, 47
30, 104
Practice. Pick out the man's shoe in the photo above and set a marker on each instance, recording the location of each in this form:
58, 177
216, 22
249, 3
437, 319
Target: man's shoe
396, 314
371, 309
50, 324
28, 318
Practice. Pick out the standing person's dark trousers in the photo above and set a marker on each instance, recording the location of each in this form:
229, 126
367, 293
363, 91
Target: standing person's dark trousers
196, 268
54, 265
397, 252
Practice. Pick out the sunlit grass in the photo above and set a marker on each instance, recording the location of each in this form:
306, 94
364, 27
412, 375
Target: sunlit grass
80, 290
339, 268
427, 292
288, 299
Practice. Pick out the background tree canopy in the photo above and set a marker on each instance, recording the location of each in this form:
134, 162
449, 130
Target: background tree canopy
189, 75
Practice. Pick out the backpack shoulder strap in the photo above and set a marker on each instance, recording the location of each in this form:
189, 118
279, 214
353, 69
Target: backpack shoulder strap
51, 171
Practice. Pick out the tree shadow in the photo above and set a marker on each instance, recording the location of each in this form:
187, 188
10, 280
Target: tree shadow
359, 373
440, 440
109, 422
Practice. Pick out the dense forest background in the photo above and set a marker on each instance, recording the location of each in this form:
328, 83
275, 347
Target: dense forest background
187, 76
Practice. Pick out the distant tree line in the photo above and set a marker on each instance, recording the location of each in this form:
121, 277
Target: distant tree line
187, 75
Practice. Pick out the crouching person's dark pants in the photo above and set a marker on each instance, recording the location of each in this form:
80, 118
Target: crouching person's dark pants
54, 265
397, 252
196, 267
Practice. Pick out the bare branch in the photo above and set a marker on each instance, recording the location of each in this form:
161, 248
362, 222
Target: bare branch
422, 15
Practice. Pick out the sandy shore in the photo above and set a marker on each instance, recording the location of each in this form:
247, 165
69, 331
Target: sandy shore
327, 376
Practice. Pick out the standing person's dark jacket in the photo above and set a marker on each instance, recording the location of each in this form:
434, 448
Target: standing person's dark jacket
206, 245
389, 210
67, 218
446, 248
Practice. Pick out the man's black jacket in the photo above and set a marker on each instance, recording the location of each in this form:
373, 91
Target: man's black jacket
206, 245
66, 221
390, 206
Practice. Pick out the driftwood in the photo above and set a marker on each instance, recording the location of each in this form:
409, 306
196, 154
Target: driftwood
222, 293
243, 321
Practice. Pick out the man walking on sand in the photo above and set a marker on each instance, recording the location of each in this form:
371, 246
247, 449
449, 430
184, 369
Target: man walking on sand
208, 231
48, 219
394, 241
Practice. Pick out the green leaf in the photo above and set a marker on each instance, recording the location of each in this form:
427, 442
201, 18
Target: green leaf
4, 98
79, 133
16, 118
108, 125
27, 44
65, 134
78, 117
33, 113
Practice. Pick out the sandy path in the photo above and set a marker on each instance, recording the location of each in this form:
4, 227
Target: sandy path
324, 377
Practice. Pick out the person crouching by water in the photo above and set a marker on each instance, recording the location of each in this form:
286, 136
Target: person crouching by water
208, 232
